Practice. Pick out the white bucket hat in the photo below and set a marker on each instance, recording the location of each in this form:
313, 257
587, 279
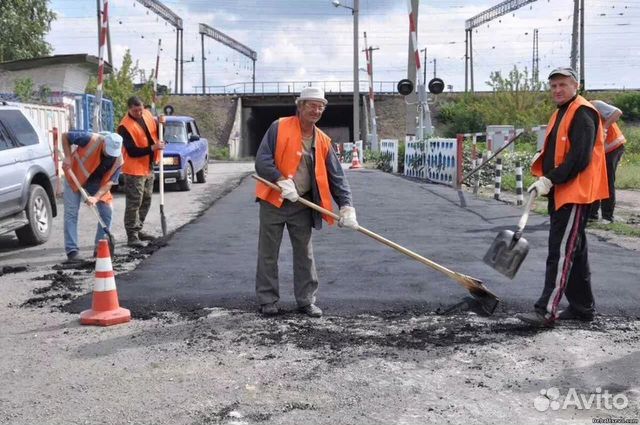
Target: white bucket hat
112, 143
312, 93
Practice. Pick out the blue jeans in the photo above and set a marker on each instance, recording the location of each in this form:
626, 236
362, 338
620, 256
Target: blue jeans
72, 202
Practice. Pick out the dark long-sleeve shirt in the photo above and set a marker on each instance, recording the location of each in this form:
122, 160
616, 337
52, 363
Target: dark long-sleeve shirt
582, 134
338, 184
132, 149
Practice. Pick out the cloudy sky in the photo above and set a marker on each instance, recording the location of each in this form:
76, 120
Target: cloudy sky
311, 40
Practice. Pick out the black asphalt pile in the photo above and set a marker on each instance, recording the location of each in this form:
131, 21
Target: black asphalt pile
342, 340
62, 287
12, 269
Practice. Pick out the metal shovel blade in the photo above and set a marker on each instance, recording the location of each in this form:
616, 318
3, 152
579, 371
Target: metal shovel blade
506, 253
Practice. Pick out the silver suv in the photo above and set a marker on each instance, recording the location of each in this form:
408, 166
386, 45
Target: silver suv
27, 178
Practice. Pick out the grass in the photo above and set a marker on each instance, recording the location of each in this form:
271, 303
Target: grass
628, 173
621, 229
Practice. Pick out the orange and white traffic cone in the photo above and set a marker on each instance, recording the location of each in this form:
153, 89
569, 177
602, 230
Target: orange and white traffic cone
355, 161
105, 308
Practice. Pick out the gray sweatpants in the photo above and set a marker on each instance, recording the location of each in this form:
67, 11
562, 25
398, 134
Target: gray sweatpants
298, 220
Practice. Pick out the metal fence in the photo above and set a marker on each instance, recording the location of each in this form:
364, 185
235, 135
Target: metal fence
284, 87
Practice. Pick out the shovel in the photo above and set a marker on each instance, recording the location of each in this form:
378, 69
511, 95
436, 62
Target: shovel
163, 218
509, 249
93, 208
486, 300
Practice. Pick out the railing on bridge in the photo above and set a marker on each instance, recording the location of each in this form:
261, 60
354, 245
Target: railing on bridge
283, 87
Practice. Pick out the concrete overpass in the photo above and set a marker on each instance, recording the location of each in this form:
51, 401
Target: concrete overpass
239, 121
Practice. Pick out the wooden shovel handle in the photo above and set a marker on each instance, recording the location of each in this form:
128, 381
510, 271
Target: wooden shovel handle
85, 196
468, 282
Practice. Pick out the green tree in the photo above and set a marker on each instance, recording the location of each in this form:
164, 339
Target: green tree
118, 87
23, 25
516, 100
24, 89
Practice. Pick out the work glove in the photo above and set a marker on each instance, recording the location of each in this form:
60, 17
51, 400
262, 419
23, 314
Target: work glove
542, 186
348, 218
288, 189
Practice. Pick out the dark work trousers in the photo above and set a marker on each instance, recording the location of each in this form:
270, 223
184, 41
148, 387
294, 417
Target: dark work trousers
608, 205
298, 220
138, 192
567, 262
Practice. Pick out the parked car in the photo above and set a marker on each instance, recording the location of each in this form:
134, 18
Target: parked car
186, 154
27, 177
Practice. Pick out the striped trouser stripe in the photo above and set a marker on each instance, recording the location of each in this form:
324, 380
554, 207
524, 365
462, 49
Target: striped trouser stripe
567, 253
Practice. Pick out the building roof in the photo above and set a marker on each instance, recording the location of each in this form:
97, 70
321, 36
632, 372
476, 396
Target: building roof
81, 59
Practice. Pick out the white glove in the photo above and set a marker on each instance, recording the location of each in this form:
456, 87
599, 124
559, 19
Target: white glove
348, 218
288, 189
542, 186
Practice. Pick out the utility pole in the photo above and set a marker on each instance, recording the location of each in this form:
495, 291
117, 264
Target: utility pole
535, 64
582, 79
434, 69
374, 125
574, 34
424, 61
466, 60
203, 58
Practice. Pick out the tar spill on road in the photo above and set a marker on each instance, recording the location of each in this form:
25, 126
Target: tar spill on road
337, 339
62, 286
12, 269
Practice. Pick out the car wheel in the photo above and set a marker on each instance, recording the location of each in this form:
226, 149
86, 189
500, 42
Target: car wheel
188, 179
40, 218
202, 174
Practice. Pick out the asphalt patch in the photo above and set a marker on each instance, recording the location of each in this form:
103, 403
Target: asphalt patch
12, 269
62, 287
424, 333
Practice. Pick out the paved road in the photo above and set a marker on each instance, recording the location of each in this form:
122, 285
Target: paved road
211, 261
180, 208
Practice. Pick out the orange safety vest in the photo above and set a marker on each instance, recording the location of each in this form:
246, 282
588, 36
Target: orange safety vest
288, 156
139, 166
591, 183
85, 160
615, 138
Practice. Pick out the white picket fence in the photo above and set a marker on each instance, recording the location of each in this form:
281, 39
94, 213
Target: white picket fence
389, 147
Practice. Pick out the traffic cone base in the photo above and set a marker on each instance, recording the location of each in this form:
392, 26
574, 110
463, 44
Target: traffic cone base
355, 161
105, 308
105, 318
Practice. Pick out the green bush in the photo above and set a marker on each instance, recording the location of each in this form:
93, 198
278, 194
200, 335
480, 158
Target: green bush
632, 134
514, 101
629, 103
219, 153
381, 161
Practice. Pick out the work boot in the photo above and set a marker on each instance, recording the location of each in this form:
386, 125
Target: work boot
74, 257
134, 242
269, 309
311, 310
144, 236
571, 314
536, 319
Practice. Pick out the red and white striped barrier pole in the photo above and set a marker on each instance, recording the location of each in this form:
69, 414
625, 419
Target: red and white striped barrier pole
372, 109
97, 107
423, 108
155, 80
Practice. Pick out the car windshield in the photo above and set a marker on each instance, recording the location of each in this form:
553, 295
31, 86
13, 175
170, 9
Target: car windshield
175, 133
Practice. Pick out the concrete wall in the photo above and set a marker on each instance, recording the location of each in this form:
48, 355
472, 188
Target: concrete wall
63, 78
